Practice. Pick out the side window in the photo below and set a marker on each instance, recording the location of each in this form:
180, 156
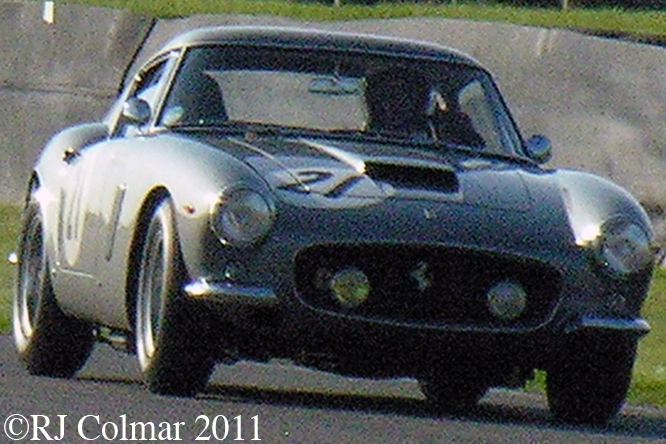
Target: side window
147, 86
474, 103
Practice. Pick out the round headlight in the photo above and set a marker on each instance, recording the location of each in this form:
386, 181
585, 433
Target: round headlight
624, 248
242, 217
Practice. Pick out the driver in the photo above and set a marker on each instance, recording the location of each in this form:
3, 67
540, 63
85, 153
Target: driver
397, 98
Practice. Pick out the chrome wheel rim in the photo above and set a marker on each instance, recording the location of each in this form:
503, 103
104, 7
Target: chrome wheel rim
151, 295
32, 273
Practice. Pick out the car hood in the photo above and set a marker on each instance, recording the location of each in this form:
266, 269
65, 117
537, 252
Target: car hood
309, 172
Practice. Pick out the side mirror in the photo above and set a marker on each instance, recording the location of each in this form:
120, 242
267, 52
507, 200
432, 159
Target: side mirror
539, 149
136, 111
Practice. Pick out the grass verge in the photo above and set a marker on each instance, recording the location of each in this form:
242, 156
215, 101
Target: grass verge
649, 383
606, 20
9, 228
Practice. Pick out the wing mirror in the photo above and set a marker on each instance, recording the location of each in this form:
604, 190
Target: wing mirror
539, 149
136, 111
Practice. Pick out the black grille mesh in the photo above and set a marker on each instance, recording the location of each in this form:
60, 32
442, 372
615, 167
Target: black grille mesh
427, 285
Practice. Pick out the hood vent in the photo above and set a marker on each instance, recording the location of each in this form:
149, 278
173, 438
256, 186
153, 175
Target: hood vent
414, 177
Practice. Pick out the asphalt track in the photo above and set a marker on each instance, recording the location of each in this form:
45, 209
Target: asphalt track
277, 403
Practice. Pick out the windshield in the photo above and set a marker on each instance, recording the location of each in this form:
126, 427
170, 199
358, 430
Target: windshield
352, 94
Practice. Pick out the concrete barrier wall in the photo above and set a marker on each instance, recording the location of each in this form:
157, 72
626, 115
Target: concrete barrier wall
602, 102
54, 75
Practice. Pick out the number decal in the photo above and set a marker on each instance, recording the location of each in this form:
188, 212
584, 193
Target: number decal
327, 183
72, 209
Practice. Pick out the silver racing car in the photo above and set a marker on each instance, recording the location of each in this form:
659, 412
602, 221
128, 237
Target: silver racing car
356, 204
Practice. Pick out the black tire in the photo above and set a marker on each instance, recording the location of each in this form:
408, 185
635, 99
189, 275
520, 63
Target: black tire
453, 391
173, 338
589, 383
48, 342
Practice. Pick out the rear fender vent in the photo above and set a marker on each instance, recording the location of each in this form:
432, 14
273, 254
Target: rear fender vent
414, 177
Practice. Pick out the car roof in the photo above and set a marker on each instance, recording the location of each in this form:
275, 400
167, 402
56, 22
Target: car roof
307, 38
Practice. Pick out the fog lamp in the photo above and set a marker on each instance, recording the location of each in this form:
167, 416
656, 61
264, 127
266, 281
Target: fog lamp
507, 300
350, 287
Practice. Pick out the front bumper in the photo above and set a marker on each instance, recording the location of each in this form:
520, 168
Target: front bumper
226, 294
381, 348
636, 326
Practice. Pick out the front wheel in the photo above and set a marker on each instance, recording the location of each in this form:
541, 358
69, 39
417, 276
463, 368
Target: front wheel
49, 342
172, 337
589, 383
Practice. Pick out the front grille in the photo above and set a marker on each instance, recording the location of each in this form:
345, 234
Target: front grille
425, 285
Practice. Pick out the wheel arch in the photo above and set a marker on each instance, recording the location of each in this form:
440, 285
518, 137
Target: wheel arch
28, 199
153, 198
34, 183
48, 214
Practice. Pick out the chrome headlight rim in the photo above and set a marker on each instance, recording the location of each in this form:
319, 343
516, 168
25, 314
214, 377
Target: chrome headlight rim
225, 205
623, 248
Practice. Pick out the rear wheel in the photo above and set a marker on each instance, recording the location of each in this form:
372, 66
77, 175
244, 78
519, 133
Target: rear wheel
589, 384
49, 342
173, 338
